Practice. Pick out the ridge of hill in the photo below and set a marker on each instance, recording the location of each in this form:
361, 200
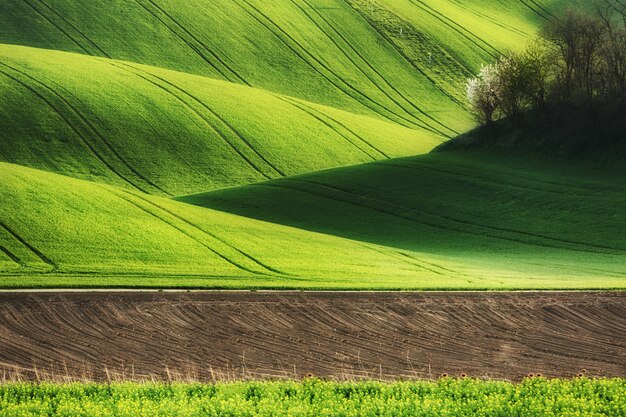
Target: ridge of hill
484, 209
171, 133
400, 60
77, 233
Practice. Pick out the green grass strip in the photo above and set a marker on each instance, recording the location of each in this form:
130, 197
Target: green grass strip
313, 397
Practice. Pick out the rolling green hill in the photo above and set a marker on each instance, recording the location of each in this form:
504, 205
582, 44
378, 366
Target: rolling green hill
79, 233
401, 60
282, 123
171, 133
467, 207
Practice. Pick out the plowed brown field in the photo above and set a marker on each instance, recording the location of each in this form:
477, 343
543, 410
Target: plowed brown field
203, 335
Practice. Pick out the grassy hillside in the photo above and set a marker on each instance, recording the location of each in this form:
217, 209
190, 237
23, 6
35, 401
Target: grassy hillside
399, 60
167, 132
517, 214
79, 233
135, 101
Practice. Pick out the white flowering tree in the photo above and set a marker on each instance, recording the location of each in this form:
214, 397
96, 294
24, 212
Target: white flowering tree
483, 94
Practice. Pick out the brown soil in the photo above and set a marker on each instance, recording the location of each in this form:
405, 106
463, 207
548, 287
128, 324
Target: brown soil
204, 335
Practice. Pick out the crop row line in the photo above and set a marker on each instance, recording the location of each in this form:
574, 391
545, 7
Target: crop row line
30, 247
325, 71
440, 217
371, 67
160, 85
83, 139
202, 231
68, 23
457, 28
189, 39
319, 116
474, 224
370, 21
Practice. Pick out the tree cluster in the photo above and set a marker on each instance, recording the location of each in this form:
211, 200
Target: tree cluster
579, 58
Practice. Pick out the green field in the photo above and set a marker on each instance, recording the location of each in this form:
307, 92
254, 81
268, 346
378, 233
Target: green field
255, 144
446, 397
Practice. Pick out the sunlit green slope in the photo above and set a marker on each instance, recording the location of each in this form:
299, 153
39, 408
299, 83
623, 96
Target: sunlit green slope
79, 233
167, 132
517, 214
400, 60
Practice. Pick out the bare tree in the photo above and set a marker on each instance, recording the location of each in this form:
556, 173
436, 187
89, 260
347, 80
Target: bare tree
612, 14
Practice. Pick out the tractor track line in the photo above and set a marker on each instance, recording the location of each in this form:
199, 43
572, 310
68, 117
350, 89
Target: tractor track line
474, 179
347, 85
33, 249
401, 256
219, 132
238, 134
549, 16
82, 139
386, 37
456, 27
394, 254
503, 25
67, 22
204, 46
102, 138
432, 264
212, 235
185, 41
546, 11
406, 218
372, 68
452, 219
12, 256
225, 258
361, 138
429, 223
485, 168
320, 119
57, 26
533, 9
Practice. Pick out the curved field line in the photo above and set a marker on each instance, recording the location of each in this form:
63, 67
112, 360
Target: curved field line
86, 121
409, 255
491, 19
546, 11
236, 132
399, 255
56, 26
456, 27
67, 22
296, 102
125, 67
464, 177
12, 256
83, 140
204, 46
390, 41
33, 249
225, 258
608, 250
319, 117
372, 68
212, 235
348, 87
534, 10
189, 42
485, 169
389, 213
185, 41
474, 224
